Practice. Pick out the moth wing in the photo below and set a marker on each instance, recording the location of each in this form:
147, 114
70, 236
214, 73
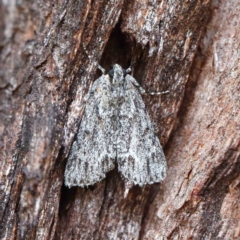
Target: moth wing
92, 154
139, 154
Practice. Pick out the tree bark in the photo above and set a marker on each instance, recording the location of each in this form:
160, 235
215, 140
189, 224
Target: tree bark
49, 51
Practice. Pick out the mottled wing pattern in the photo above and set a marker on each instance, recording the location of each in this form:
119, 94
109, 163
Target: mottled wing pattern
92, 154
139, 154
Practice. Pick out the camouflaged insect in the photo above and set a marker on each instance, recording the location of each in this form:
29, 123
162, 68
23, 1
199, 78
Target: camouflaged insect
115, 130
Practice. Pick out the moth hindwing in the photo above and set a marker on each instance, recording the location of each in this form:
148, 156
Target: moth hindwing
115, 130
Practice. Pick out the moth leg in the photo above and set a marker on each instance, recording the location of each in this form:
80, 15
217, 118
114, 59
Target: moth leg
137, 85
127, 185
158, 93
143, 91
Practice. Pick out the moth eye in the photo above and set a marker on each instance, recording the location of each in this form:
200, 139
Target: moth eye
111, 72
124, 72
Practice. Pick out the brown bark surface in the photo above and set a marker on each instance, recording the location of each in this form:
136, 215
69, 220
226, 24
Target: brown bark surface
48, 55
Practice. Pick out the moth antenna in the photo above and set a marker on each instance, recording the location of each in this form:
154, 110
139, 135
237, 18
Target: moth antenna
100, 68
95, 63
128, 70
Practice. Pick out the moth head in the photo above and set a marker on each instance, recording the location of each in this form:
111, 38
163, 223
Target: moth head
117, 72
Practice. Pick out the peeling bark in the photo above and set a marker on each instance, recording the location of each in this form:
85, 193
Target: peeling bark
48, 55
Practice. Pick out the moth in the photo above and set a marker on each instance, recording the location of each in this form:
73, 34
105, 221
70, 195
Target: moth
115, 131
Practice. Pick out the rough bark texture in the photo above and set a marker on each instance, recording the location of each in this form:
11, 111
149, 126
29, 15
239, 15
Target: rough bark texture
48, 55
